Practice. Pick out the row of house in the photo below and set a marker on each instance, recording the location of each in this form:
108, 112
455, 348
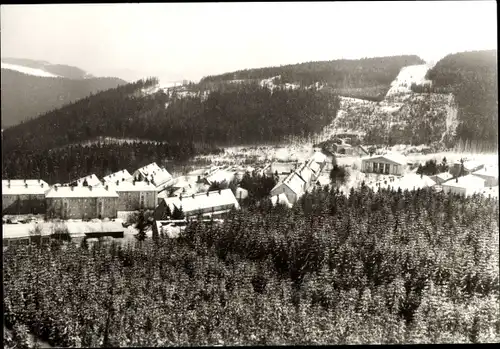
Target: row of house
87, 197
300, 180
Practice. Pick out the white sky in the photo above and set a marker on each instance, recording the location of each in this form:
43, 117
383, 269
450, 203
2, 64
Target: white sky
183, 40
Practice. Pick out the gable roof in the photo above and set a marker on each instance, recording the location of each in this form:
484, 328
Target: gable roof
122, 175
152, 172
444, 176
319, 157
25, 189
413, 180
314, 166
489, 171
468, 182
23, 182
91, 180
220, 176
294, 182
131, 186
396, 159
203, 201
305, 173
80, 192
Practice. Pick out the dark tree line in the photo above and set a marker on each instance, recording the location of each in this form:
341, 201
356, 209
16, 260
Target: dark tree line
188, 125
386, 267
473, 78
344, 73
431, 167
66, 164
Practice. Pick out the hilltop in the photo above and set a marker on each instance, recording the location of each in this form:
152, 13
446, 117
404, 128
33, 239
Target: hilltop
472, 77
367, 78
32, 89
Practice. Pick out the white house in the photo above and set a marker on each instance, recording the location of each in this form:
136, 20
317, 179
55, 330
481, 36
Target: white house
389, 164
292, 186
23, 182
466, 185
207, 204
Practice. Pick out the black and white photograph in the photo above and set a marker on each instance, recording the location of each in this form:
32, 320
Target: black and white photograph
249, 174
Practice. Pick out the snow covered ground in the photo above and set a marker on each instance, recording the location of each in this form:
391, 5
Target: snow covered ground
29, 71
407, 76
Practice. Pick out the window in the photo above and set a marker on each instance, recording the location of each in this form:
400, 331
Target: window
375, 167
387, 168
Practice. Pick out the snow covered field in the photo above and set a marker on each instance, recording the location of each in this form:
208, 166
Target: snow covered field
407, 76
29, 71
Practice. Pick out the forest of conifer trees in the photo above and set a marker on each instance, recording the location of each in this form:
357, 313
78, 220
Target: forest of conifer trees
387, 267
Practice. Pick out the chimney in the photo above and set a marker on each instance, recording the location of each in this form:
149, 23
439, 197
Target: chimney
456, 180
26, 185
117, 182
72, 188
107, 187
219, 191
8, 185
9, 181
90, 187
123, 179
38, 180
180, 197
192, 196
207, 193
134, 182
55, 187
41, 185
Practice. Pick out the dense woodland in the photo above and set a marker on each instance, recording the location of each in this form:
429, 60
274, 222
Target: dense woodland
386, 267
66, 164
361, 78
187, 126
26, 96
473, 78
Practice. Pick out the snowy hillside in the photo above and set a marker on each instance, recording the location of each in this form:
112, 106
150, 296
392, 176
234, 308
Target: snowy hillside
407, 76
29, 71
403, 116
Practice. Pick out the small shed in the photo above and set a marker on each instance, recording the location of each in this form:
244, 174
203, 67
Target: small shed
466, 185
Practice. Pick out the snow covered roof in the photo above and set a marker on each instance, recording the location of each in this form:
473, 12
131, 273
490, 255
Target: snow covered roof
81, 192
203, 201
220, 176
294, 182
396, 158
23, 182
314, 166
413, 181
319, 157
280, 199
185, 181
490, 171
305, 173
444, 176
131, 186
12, 231
91, 180
25, 189
152, 172
468, 182
122, 175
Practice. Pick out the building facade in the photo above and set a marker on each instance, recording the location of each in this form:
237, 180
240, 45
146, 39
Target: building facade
81, 202
383, 164
20, 198
135, 196
489, 174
